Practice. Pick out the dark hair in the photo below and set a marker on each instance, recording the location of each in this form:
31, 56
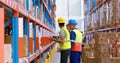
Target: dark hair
61, 24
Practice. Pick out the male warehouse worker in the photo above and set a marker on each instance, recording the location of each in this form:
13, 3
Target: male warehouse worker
64, 40
76, 42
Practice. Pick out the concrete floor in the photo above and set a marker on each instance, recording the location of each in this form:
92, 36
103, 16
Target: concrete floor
56, 58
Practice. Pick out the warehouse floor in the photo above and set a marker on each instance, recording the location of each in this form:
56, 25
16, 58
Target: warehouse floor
56, 58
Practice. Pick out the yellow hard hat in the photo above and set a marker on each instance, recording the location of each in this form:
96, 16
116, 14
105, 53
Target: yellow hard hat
61, 20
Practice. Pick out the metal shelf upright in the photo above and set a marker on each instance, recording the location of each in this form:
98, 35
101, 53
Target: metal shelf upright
19, 21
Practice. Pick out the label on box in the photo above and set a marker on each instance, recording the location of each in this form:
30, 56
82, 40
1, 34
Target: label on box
8, 53
20, 24
37, 31
31, 29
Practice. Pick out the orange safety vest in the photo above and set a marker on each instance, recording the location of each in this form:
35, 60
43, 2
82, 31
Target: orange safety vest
77, 42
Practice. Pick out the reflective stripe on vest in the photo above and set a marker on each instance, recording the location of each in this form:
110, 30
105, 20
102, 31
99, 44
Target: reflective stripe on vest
77, 42
66, 44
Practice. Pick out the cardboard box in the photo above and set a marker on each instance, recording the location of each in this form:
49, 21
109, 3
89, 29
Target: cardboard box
116, 11
22, 3
115, 60
8, 53
86, 49
8, 39
89, 54
103, 47
104, 16
91, 59
98, 1
40, 60
113, 52
25, 45
103, 60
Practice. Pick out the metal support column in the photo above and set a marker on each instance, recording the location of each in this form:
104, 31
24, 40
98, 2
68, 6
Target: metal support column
27, 33
15, 39
34, 27
2, 35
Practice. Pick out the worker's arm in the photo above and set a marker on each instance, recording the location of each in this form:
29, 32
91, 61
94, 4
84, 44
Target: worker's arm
57, 40
61, 37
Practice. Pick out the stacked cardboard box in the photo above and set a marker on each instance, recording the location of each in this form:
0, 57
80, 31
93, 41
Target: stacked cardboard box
22, 3
39, 60
115, 60
104, 15
25, 45
115, 10
84, 56
8, 49
106, 46
102, 46
91, 60
98, 1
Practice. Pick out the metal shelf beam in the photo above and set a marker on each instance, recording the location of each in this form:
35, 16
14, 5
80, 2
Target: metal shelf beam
38, 53
44, 4
91, 11
15, 6
106, 29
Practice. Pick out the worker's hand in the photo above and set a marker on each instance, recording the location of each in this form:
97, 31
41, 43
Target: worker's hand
53, 39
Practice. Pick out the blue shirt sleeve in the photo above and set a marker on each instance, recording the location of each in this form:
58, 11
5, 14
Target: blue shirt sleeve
72, 37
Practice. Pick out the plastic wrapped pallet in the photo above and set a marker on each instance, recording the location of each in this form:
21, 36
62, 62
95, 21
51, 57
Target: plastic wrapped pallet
104, 16
22, 3
31, 8
94, 3
115, 6
101, 16
8, 49
87, 6
38, 12
8, 53
87, 23
115, 12
98, 1
97, 19
107, 15
41, 13
91, 4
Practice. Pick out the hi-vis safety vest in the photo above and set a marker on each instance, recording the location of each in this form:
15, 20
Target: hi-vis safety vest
66, 44
77, 42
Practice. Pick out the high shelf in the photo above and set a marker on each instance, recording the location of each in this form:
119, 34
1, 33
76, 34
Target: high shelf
26, 26
92, 10
102, 31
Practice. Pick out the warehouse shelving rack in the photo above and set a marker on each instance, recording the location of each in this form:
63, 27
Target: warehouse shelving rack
99, 30
91, 38
14, 10
90, 34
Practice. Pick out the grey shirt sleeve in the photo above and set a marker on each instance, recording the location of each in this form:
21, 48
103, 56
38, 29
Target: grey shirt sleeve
62, 33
